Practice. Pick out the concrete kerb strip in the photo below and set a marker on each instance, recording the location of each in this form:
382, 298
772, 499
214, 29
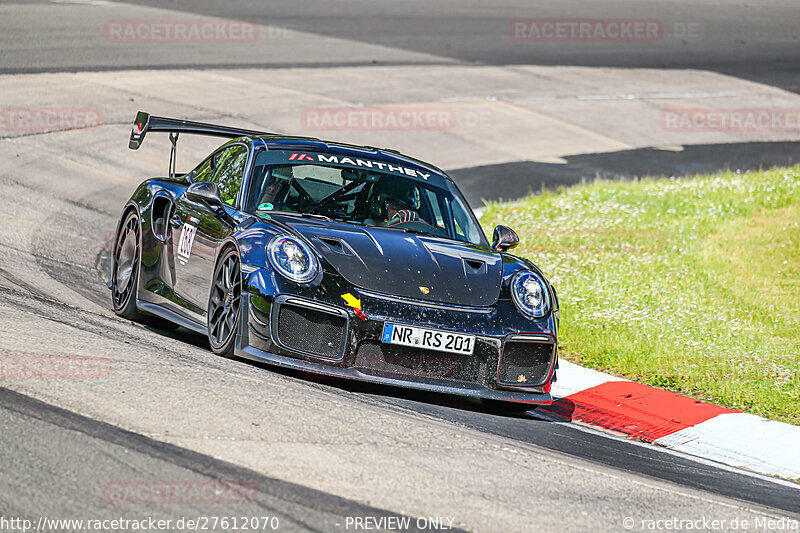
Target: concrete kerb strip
676, 422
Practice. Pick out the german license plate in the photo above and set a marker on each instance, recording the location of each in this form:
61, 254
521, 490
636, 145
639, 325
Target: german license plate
430, 339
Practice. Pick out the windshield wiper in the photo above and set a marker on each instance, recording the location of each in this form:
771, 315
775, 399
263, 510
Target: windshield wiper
418, 232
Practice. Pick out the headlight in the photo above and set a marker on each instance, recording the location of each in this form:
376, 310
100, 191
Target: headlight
530, 294
292, 258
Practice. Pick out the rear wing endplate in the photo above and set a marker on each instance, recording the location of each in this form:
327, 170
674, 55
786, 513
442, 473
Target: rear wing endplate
145, 123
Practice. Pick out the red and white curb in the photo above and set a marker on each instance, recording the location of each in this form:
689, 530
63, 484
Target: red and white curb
676, 422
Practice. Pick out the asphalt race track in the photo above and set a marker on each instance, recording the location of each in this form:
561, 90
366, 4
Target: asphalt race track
755, 41
161, 409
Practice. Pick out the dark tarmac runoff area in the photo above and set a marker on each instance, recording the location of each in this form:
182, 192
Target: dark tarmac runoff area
503, 181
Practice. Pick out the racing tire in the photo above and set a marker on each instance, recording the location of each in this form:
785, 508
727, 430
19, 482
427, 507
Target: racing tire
126, 261
224, 304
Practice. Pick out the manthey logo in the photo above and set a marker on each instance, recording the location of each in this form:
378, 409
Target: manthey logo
358, 162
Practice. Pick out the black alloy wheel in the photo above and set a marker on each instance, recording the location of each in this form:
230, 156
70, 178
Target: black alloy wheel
224, 303
125, 268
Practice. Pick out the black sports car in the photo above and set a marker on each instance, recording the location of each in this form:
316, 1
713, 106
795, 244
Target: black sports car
334, 259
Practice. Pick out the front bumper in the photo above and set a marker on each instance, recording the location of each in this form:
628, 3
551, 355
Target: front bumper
489, 373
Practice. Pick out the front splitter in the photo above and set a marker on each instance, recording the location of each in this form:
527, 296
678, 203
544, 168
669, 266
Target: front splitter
470, 390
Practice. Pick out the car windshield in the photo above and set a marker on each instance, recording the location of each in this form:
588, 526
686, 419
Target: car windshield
364, 197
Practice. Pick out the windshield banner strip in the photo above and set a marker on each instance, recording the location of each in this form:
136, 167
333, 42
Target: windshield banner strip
277, 157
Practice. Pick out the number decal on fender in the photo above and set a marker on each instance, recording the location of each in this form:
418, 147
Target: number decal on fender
185, 243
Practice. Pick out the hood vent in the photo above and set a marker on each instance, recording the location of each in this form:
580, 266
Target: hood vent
475, 266
333, 244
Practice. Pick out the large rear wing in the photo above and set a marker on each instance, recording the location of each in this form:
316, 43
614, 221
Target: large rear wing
145, 122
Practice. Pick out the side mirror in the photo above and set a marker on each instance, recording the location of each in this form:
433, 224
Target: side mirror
504, 238
204, 192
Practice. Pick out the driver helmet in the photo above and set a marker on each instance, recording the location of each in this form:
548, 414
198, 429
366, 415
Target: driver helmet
402, 194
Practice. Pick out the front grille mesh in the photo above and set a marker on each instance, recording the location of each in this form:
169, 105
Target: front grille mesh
525, 363
415, 362
310, 331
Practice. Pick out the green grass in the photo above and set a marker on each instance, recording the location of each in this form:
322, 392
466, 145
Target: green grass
689, 284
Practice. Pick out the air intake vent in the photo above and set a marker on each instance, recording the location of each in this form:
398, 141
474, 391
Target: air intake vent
311, 331
414, 362
160, 213
333, 244
475, 265
525, 363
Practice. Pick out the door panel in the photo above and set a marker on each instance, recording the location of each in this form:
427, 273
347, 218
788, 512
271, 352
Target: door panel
198, 231
193, 229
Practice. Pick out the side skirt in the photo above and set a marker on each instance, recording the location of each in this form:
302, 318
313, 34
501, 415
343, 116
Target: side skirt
171, 316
